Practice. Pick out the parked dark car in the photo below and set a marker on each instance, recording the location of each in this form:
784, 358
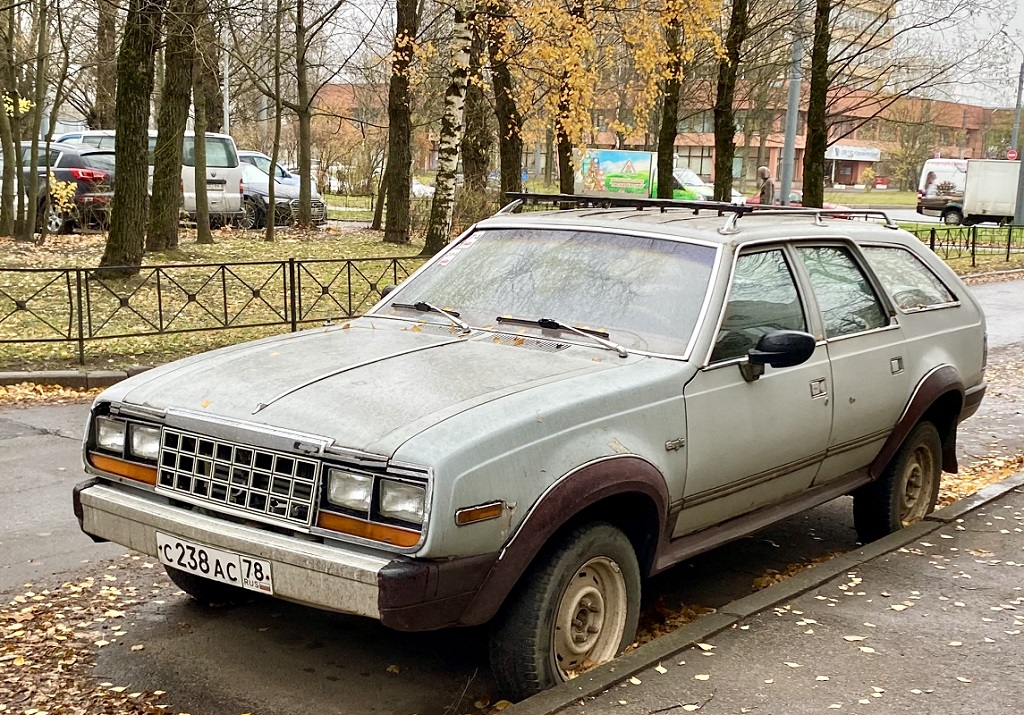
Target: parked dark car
90, 170
262, 161
256, 197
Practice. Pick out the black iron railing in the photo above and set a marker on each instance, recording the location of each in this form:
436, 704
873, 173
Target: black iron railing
80, 305
990, 242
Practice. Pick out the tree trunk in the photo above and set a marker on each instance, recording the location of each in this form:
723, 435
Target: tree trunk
275, 152
443, 205
398, 173
37, 186
817, 100
125, 241
165, 205
106, 65
213, 91
202, 75
476, 143
305, 117
566, 175
669, 126
510, 123
378, 208
9, 180
725, 116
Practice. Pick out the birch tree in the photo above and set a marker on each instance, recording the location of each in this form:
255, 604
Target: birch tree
452, 128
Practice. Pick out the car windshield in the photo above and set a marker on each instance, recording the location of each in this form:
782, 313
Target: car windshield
687, 177
645, 293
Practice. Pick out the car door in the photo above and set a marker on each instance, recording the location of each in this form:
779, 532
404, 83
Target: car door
753, 443
865, 344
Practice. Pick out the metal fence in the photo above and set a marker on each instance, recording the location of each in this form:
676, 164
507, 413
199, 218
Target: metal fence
989, 242
80, 305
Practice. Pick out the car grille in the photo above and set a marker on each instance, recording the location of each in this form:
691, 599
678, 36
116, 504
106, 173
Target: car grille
317, 208
272, 485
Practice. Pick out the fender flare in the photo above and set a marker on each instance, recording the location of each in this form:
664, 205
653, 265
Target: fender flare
572, 493
940, 381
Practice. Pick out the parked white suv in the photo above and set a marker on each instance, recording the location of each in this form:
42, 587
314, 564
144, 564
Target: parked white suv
223, 172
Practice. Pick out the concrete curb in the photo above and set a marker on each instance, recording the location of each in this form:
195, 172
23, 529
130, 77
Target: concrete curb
604, 677
80, 379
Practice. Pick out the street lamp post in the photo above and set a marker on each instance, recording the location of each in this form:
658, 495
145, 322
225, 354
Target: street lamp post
1016, 114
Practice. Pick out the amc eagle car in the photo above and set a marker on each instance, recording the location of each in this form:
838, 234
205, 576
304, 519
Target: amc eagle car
555, 407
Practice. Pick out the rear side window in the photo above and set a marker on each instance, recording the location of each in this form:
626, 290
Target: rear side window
763, 298
220, 153
909, 282
104, 162
847, 301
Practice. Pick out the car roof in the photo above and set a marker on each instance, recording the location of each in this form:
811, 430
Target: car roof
735, 226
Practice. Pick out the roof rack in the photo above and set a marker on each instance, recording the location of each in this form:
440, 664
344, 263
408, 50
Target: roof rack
735, 211
608, 202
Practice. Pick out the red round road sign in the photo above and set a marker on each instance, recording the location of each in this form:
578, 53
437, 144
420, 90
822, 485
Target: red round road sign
1011, 154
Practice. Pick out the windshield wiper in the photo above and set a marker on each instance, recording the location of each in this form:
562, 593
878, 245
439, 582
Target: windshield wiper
598, 336
425, 307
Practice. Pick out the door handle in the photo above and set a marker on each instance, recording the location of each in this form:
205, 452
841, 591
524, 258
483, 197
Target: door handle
896, 365
818, 388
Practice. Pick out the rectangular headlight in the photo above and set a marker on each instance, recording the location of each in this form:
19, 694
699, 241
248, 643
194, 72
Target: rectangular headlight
145, 442
399, 500
351, 491
110, 434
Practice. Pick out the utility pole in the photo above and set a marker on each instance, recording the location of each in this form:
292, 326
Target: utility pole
1016, 117
792, 112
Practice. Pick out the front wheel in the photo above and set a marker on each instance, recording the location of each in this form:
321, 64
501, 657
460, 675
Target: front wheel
576, 607
906, 492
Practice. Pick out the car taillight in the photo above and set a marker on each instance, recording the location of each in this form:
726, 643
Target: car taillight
241, 186
88, 175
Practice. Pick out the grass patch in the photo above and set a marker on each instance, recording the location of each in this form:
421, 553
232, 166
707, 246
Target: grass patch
857, 197
339, 272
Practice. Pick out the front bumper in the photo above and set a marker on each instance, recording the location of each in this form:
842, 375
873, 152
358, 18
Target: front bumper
305, 572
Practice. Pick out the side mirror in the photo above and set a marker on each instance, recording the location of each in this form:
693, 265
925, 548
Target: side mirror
386, 290
783, 348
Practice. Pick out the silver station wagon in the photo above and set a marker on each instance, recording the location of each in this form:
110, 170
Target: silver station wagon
556, 406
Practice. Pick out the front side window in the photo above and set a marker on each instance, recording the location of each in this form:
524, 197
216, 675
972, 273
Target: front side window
909, 282
643, 293
763, 298
847, 301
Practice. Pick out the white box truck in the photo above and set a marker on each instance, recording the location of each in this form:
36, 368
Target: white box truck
990, 191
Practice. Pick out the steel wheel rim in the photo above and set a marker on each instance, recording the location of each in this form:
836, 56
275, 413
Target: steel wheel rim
916, 485
590, 618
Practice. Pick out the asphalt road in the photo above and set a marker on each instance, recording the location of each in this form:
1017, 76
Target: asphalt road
274, 657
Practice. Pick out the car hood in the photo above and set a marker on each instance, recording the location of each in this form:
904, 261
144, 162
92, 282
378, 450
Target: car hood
369, 385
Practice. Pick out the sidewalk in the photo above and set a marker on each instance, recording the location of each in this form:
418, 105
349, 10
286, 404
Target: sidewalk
935, 626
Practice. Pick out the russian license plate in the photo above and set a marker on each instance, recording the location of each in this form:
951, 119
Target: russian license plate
224, 566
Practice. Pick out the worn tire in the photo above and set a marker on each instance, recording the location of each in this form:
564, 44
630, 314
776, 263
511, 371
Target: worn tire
202, 589
573, 575
907, 490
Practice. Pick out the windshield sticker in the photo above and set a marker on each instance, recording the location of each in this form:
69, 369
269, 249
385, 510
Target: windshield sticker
468, 242
447, 258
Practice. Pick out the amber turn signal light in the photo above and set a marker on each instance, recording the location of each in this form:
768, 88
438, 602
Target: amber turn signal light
473, 514
138, 472
364, 529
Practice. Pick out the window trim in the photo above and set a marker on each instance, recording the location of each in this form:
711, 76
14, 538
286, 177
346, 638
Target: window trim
955, 303
810, 311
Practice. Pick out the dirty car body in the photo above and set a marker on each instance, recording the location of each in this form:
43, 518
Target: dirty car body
556, 405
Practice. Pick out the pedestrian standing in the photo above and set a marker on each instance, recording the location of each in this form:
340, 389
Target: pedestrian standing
766, 194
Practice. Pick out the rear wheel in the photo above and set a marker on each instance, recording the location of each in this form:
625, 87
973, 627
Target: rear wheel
907, 490
576, 607
952, 217
251, 216
204, 589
